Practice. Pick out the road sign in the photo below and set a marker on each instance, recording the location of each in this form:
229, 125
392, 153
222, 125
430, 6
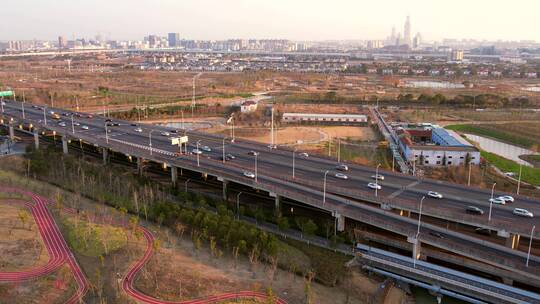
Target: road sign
179, 140
6, 93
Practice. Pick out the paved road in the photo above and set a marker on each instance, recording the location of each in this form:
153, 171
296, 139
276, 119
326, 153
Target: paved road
398, 190
274, 177
59, 253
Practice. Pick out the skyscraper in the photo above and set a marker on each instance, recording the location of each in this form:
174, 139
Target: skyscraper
61, 42
407, 32
174, 39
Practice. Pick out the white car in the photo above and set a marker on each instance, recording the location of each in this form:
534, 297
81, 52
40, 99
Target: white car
342, 167
378, 177
253, 153
374, 186
206, 149
522, 212
76, 124
84, 127
434, 194
497, 201
196, 151
138, 130
62, 124
341, 176
507, 198
304, 155
165, 134
249, 174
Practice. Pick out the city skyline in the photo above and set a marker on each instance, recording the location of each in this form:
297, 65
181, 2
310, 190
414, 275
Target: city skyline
301, 20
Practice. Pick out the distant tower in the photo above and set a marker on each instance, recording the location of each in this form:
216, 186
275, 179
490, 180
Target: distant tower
407, 32
61, 42
417, 41
393, 35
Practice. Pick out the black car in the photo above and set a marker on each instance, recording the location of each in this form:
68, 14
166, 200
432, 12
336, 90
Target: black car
133, 124
173, 131
483, 231
436, 234
108, 120
474, 210
116, 124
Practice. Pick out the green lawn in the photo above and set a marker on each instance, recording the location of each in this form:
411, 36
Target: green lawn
528, 174
93, 240
495, 134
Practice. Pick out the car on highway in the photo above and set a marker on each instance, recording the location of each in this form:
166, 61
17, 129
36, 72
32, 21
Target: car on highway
89, 116
507, 198
76, 124
377, 177
254, 153
483, 231
474, 210
165, 134
249, 174
374, 186
62, 124
522, 212
304, 155
196, 151
174, 131
436, 234
84, 127
108, 120
272, 146
342, 167
341, 176
230, 156
133, 124
116, 124
434, 194
34, 106
206, 149
138, 130
497, 201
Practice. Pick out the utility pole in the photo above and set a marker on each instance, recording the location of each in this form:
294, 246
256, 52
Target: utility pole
272, 128
469, 179
519, 179
339, 150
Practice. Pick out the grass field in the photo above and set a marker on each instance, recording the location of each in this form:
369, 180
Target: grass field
94, 240
524, 135
528, 174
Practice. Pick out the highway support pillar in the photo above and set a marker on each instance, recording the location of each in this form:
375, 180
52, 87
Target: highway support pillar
36, 139
512, 241
417, 250
140, 161
277, 205
174, 176
105, 154
339, 221
225, 196
65, 145
11, 132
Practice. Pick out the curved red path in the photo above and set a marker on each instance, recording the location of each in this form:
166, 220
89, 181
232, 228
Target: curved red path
59, 253
129, 278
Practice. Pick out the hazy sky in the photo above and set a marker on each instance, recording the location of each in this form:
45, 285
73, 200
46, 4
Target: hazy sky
289, 19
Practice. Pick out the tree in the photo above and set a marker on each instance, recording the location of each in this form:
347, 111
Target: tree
23, 217
283, 223
307, 226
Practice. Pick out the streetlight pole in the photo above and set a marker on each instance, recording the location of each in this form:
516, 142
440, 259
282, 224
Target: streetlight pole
72, 125
324, 187
393, 161
469, 179
2, 104
418, 229
519, 179
491, 201
238, 204
339, 150
44, 115
293, 160
530, 244
198, 154
150, 140
256, 156
377, 179
106, 133
223, 156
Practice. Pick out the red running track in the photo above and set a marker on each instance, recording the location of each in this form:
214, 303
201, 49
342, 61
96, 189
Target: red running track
129, 278
59, 253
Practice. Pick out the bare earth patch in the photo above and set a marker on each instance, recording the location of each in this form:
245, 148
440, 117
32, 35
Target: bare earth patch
21, 246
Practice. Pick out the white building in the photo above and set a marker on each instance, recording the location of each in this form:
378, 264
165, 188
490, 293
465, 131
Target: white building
248, 106
324, 118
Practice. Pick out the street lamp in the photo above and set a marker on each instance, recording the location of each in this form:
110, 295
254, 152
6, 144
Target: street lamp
150, 140
22, 106
72, 125
418, 230
223, 156
256, 156
293, 160
519, 179
339, 150
45, 115
106, 133
198, 154
377, 179
469, 179
238, 204
491, 200
185, 185
324, 187
530, 244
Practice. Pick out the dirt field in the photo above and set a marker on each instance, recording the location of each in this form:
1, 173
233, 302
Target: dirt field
55, 288
21, 246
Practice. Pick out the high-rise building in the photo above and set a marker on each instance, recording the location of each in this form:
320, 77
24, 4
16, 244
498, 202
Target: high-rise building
417, 41
407, 32
456, 55
62, 42
152, 41
174, 39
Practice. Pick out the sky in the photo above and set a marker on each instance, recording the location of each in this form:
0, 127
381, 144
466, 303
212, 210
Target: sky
286, 19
